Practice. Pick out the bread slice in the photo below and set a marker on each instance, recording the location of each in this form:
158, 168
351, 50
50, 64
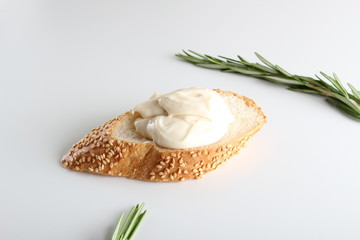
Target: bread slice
115, 148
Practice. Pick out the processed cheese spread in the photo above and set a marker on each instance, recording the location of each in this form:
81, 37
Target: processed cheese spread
185, 118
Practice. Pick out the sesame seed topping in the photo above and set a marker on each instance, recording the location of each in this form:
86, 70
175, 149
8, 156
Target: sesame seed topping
161, 173
173, 154
186, 172
182, 179
194, 155
182, 165
162, 163
152, 173
163, 176
158, 166
91, 169
152, 178
77, 168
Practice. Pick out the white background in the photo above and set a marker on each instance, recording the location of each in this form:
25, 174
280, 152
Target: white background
68, 66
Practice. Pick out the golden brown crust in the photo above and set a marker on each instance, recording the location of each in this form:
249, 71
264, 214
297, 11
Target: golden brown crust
101, 153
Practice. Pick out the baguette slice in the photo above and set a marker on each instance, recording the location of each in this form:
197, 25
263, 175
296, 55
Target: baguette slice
116, 149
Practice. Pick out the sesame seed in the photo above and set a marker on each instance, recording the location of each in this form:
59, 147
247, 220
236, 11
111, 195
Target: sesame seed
168, 157
167, 170
77, 168
171, 177
91, 169
107, 160
111, 165
66, 163
119, 174
163, 176
162, 163
195, 170
179, 171
197, 165
96, 170
186, 172
173, 154
182, 165
182, 179
152, 178
172, 165
152, 173
181, 160
158, 166
109, 172
123, 150
161, 173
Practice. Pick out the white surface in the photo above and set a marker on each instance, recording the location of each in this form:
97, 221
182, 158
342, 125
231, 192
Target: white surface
68, 66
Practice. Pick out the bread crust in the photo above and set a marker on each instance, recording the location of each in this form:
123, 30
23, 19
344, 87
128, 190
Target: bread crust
100, 152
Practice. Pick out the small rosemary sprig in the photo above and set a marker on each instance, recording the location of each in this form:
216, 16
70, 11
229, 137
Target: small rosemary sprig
334, 91
126, 230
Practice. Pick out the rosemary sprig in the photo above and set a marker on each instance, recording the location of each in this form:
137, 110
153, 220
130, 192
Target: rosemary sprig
126, 230
333, 90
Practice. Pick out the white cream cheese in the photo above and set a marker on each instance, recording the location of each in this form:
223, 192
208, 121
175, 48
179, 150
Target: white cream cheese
185, 118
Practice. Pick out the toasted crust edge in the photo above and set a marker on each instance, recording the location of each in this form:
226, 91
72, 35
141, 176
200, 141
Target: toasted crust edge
100, 153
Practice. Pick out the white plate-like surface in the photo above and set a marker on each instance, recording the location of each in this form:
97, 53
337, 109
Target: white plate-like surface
68, 66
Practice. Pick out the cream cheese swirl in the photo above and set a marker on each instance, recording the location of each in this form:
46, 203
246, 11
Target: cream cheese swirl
185, 118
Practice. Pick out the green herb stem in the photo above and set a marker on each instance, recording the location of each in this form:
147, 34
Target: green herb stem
126, 230
334, 91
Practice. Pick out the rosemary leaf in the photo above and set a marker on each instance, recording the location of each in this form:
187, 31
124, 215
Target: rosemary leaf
334, 91
125, 231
